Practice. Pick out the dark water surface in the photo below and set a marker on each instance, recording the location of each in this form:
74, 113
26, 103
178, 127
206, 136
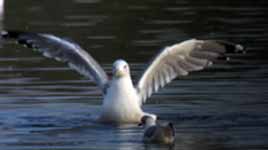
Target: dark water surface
45, 105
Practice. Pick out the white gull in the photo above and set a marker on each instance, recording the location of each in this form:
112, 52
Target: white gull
122, 100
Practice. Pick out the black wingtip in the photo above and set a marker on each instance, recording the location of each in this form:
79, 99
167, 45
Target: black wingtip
17, 36
232, 47
10, 34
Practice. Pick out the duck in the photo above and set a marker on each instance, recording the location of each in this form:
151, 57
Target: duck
157, 132
122, 99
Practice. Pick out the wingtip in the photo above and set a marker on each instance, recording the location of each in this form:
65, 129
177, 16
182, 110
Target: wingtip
3, 33
10, 34
16, 35
239, 48
232, 47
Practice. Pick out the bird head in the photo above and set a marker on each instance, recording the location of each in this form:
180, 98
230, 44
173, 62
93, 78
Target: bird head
120, 69
148, 121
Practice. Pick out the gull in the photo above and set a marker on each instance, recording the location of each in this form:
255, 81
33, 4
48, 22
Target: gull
157, 132
122, 100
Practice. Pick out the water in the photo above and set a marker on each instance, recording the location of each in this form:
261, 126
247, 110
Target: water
45, 105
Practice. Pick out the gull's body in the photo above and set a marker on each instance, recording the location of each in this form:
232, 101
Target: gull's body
120, 104
122, 100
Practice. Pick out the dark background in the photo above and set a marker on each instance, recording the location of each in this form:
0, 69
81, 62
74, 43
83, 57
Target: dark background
45, 105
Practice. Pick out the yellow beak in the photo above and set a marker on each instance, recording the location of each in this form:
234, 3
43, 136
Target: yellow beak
119, 73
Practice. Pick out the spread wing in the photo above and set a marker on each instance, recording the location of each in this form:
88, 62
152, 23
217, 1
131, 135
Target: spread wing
179, 60
62, 50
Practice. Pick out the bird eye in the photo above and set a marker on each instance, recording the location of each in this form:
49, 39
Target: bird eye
125, 66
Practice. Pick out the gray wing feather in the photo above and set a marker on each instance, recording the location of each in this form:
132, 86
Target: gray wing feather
65, 51
179, 60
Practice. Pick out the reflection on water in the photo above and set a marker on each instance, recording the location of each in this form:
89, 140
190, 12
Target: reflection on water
45, 105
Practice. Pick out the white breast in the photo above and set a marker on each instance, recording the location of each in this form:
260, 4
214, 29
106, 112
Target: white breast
121, 103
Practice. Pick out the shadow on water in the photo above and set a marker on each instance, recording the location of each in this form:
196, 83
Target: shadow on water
45, 105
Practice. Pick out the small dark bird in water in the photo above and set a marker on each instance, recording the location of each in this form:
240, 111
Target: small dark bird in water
157, 132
